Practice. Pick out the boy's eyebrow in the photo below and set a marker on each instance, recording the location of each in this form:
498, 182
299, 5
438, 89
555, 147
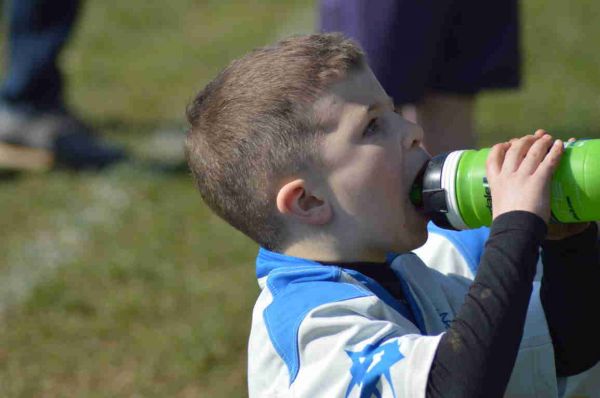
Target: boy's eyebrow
377, 105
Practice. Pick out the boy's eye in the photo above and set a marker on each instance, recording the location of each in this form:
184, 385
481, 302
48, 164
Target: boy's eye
371, 128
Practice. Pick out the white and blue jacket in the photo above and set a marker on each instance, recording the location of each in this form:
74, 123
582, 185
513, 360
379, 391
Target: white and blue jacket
324, 331
458, 253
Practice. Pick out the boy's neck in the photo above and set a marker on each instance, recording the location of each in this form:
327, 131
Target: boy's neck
324, 251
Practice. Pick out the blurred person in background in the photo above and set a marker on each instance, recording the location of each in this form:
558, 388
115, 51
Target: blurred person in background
37, 130
434, 57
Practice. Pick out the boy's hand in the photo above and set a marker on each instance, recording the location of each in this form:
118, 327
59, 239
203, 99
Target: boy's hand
519, 174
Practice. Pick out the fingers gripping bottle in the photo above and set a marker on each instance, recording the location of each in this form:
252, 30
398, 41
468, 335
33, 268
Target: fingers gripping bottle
454, 190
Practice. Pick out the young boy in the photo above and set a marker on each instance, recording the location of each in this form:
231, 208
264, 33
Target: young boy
298, 146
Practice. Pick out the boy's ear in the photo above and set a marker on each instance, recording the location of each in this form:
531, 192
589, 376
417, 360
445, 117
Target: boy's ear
295, 200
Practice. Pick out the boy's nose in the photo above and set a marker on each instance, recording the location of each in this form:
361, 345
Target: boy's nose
414, 136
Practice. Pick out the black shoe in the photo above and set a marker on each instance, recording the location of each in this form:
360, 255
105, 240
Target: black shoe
43, 140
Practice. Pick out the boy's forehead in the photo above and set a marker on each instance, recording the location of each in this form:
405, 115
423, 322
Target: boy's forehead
360, 86
358, 90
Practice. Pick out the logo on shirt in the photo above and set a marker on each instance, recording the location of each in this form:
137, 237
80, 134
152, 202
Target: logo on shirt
444, 318
370, 364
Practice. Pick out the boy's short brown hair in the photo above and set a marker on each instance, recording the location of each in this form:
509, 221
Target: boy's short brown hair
253, 125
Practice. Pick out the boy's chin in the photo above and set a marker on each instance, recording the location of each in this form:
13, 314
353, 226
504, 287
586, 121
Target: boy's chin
414, 241
422, 239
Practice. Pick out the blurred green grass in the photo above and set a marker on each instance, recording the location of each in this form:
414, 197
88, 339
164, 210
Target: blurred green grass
123, 284
561, 82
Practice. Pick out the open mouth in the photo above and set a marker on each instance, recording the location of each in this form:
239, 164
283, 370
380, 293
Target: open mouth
416, 189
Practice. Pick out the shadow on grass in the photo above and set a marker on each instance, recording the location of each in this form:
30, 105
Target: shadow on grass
152, 166
8, 175
131, 127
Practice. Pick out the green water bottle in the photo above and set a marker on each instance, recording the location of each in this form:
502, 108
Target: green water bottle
454, 189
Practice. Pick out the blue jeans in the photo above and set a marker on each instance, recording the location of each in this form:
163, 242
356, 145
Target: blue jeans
38, 30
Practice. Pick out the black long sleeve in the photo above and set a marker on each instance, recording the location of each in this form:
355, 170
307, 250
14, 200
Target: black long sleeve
570, 297
476, 356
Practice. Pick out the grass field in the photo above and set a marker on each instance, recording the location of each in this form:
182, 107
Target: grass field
122, 283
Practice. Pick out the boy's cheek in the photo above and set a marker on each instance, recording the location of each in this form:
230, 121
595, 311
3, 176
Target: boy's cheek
351, 181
